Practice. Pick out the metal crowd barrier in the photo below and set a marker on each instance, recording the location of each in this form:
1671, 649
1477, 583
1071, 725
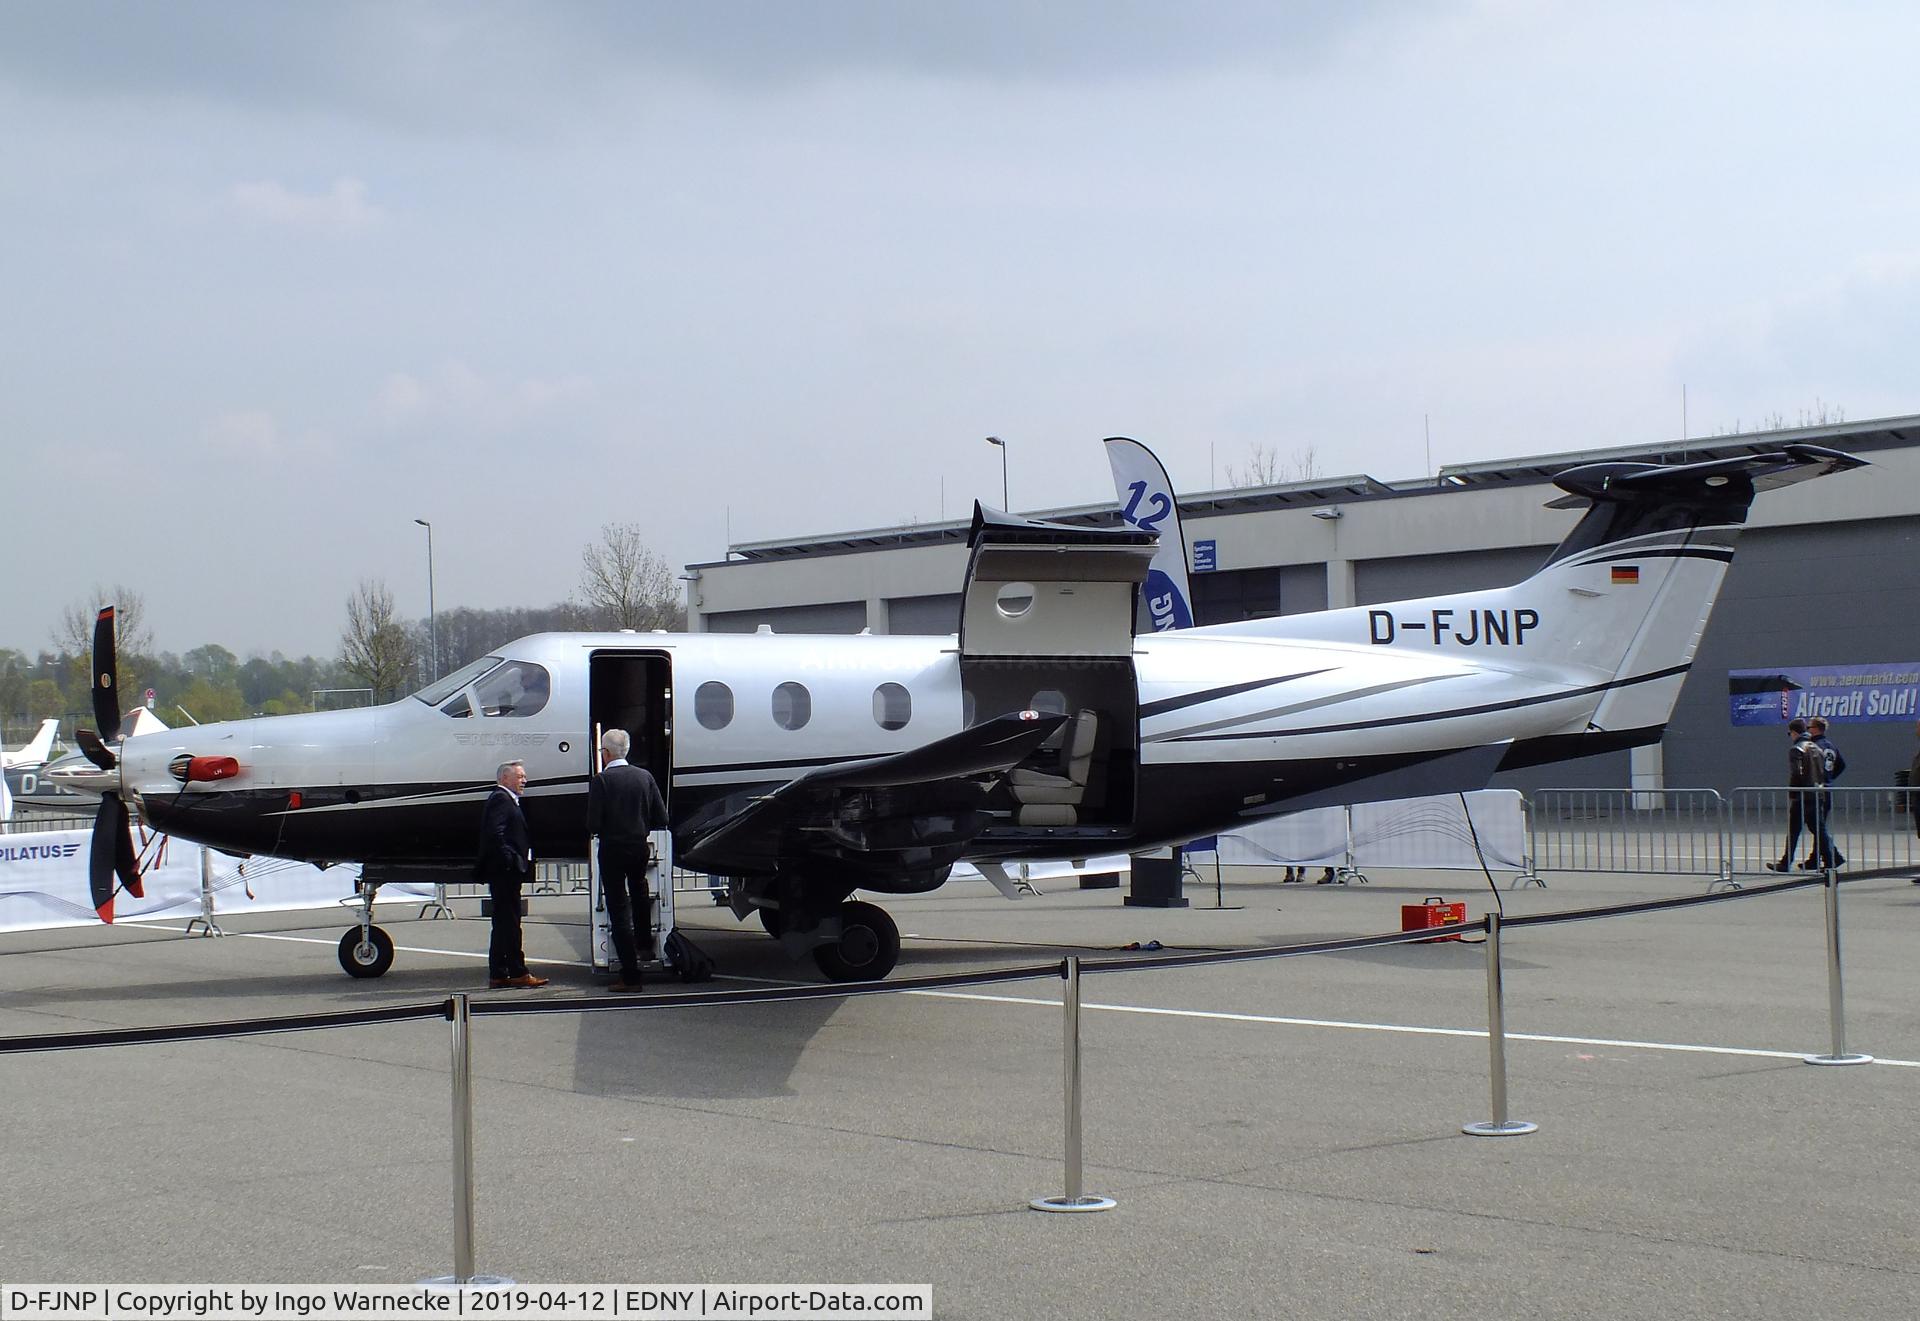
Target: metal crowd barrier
1657, 832
1872, 828
28, 822
1698, 832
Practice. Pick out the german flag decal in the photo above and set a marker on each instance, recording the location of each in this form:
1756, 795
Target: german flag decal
1626, 573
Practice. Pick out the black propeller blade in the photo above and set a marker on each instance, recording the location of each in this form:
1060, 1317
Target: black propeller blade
106, 680
112, 855
96, 752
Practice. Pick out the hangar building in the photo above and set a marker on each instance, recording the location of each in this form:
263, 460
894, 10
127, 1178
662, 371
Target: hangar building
1827, 575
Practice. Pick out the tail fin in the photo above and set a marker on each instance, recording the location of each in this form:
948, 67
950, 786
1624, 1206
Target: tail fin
1617, 611
40, 749
1647, 562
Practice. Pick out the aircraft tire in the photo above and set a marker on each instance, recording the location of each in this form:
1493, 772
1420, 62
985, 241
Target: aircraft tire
772, 921
371, 960
868, 948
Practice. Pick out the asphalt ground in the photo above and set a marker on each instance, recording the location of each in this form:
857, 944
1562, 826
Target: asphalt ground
1282, 1137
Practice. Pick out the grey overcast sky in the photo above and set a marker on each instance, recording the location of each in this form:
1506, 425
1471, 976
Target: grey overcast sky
279, 279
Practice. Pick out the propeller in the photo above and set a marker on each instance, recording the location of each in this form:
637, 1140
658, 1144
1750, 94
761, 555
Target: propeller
111, 855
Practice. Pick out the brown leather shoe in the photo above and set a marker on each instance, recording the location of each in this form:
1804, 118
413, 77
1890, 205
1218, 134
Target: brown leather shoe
499, 983
527, 980
626, 988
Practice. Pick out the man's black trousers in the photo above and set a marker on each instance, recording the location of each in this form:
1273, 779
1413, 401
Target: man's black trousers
623, 879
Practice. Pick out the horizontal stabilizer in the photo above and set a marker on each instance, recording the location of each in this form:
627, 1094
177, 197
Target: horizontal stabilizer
1662, 481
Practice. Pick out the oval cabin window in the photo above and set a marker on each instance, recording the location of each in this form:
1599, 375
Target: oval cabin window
792, 705
713, 705
892, 706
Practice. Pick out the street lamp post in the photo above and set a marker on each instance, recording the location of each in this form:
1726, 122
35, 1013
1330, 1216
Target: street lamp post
1001, 445
433, 634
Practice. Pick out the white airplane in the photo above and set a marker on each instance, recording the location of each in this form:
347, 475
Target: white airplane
36, 751
804, 768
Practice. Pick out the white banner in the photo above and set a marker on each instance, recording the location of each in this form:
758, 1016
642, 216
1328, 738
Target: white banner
1410, 832
43, 883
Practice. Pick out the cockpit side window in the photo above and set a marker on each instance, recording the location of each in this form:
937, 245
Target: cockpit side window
518, 688
441, 689
459, 708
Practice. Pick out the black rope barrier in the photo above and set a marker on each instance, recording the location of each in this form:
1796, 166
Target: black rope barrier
764, 995
237, 1027
1281, 951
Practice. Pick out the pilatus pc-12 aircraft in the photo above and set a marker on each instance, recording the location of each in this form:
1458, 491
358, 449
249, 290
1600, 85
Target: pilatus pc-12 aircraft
803, 769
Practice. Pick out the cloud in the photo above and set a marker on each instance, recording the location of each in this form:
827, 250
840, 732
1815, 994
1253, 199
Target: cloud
452, 66
1842, 344
343, 209
254, 433
454, 394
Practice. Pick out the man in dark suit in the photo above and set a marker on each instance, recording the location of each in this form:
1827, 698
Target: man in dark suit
623, 805
505, 864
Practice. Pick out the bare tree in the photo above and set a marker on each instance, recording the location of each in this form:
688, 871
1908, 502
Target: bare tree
1265, 467
377, 648
1822, 414
74, 636
133, 644
625, 584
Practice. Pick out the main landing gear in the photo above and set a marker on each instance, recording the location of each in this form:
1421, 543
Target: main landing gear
366, 950
855, 942
867, 948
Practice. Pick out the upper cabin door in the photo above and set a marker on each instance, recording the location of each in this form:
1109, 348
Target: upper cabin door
1046, 624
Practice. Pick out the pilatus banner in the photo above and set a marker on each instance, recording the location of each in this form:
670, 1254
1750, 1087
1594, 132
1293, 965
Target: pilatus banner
1844, 694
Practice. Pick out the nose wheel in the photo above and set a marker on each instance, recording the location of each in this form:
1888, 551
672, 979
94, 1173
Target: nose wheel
366, 951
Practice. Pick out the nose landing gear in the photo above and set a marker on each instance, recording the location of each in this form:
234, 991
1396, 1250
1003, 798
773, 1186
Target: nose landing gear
366, 950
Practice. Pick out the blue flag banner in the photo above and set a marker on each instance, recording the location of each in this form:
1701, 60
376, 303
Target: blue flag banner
1147, 503
1844, 694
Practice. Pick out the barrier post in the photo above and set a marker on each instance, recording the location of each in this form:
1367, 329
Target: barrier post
462, 1139
460, 1015
1836, 1002
1499, 1126
1075, 1199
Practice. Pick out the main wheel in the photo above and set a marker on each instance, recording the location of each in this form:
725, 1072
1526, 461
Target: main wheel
868, 947
370, 958
773, 920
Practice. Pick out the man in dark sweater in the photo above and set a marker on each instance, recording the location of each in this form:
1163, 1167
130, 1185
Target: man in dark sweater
623, 806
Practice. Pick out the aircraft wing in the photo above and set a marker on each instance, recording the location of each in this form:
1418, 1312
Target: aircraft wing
908, 815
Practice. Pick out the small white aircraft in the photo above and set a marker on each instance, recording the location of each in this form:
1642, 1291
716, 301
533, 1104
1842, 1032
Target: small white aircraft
36, 751
803, 768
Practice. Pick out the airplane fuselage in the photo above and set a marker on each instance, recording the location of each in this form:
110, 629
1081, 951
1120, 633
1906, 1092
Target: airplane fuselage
1221, 729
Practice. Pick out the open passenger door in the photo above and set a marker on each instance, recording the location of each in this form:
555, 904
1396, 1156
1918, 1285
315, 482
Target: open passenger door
1046, 624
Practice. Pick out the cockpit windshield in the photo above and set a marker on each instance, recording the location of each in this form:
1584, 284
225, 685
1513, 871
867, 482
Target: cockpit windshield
435, 693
